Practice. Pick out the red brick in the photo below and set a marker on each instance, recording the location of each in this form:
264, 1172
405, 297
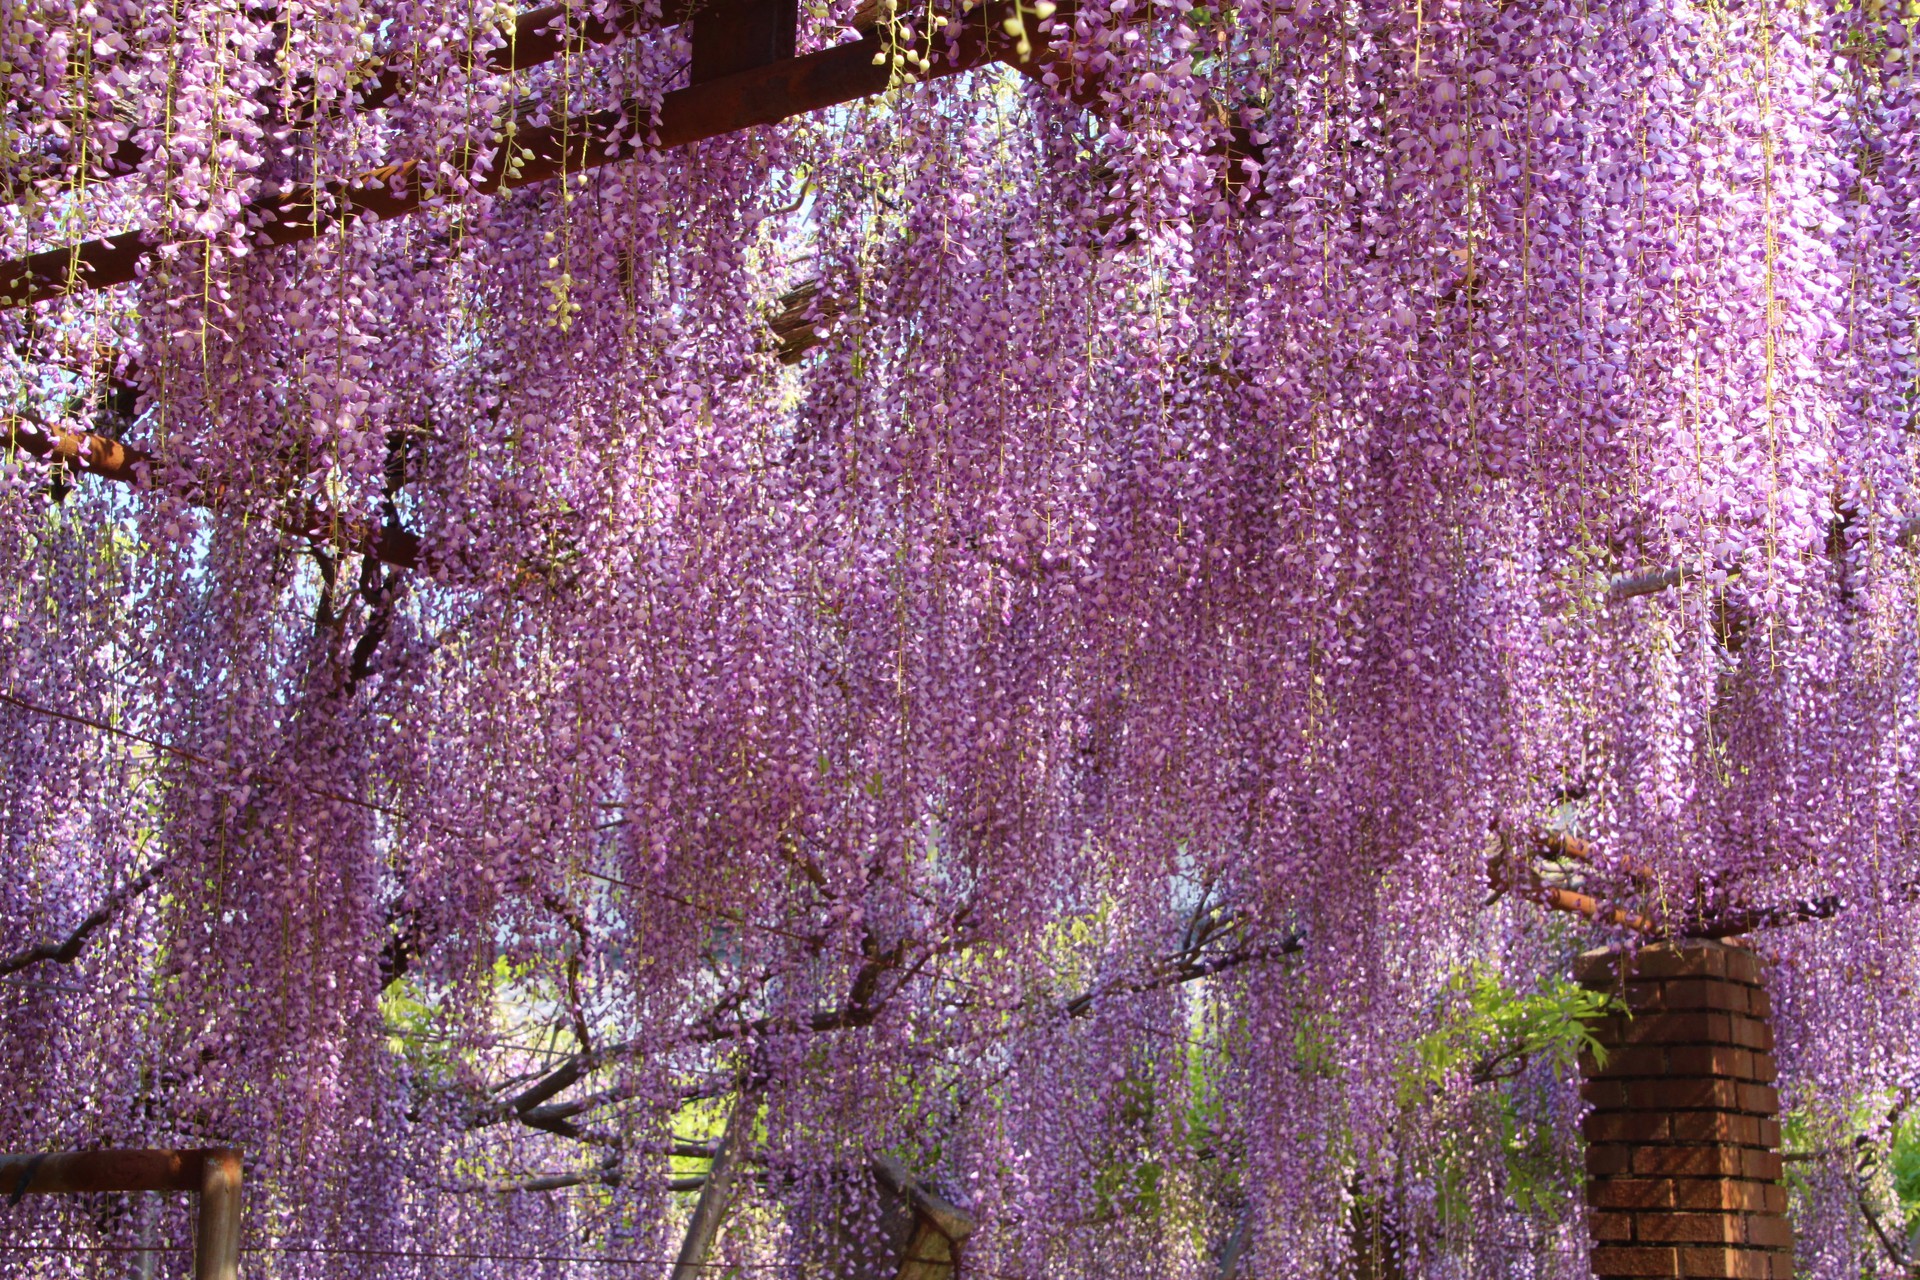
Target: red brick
1625, 1126
1650, 964
1690, 1228
1698, 960
1594, 967
1642, 994
1704, 1060
1609, 1031
1724, 1194
1632, 1261
1680, 1028
1725, 1264
1610, 1228
1691, 1069
1684, 1162
1704, 993
1742, 966
1713, 1126
1692, 962
1605, 1095
1628, 1060
1632, 1193
1681, 1093
1608, 1158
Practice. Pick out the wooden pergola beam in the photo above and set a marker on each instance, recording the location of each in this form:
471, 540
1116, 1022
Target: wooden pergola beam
741, 35
539, 36
761, 95
728, 104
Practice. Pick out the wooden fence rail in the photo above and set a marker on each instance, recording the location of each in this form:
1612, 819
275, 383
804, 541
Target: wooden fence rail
211, 1172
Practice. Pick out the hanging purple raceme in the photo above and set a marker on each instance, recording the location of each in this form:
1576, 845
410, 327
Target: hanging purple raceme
1047, 724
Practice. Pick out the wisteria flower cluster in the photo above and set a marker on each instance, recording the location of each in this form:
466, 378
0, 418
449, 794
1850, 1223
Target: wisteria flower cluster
992, 630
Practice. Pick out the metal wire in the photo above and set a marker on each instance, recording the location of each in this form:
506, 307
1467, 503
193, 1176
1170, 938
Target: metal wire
432, 1255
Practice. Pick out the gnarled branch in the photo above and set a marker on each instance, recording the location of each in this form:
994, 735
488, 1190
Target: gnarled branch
67, 950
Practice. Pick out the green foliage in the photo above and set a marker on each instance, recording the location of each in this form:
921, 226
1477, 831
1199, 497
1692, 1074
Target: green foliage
1131, 1189
1905, 1166
1128, 1180
416, 1030
1490, 1031
1487, 1034
413, 1033
1165, 1139
1315, 1051
1802, 1134
1847, 1133
1538, 1177
704, 1120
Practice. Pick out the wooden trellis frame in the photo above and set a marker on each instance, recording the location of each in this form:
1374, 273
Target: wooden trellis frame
213, 1173
745, 76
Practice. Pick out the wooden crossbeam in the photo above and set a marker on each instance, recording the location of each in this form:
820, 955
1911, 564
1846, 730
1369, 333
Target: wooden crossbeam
796, 326
731, 36
539, 36
762, 95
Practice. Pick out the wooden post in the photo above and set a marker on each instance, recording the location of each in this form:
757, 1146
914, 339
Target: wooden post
1683, 1155
216, 1236
212, 1172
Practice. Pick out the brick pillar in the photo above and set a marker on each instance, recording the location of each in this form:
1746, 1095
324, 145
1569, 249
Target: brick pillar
1683, 1154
